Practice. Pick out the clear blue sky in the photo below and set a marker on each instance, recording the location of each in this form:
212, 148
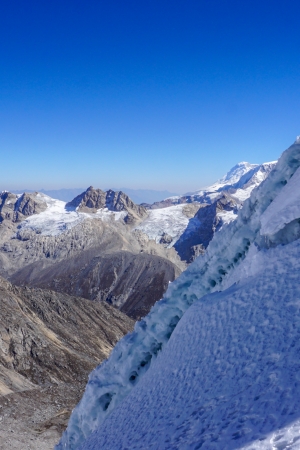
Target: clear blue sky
145, 94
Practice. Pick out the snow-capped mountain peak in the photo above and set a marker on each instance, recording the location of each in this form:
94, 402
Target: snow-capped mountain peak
236, 173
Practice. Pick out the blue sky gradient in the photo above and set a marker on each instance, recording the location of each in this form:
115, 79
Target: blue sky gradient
158, 95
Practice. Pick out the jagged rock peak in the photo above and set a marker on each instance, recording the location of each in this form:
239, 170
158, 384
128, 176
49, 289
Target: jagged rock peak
93, 199
17, 207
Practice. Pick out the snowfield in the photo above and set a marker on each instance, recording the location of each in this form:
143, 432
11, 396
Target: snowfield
57, 218
215, 364
170, 220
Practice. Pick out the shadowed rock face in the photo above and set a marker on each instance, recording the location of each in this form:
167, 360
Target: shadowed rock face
93, 199
16, 209
49, 342
192, 244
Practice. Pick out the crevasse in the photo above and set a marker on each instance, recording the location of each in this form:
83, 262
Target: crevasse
111, 382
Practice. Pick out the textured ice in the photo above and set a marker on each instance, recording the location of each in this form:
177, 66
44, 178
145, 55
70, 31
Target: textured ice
111, 383
284, 209
229, 378
57, 219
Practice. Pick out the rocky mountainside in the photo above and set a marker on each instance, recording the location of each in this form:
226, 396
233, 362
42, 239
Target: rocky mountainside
202, 227
49, 342
87, 247
16, 208
94, 199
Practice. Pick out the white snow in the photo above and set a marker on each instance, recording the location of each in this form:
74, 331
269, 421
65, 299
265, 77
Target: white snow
235, 378
227, 216
232, 177
170, 220
57, 219
228, 377
284, 208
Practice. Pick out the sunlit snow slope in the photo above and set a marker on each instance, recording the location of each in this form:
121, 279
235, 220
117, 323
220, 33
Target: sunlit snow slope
231, 347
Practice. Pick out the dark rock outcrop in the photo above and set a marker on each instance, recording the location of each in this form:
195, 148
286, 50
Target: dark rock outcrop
16, 208
50, 337
93, 199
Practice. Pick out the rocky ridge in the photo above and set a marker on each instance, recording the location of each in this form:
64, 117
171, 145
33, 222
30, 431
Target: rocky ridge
16, 208
49, 342
94, 199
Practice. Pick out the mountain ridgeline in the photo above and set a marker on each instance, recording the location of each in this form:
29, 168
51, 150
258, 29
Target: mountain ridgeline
93, 199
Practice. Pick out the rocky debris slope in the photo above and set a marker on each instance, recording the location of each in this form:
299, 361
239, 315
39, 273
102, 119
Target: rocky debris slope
130, 282
49, 342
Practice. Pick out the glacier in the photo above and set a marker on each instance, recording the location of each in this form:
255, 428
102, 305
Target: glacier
110, 386
57, 218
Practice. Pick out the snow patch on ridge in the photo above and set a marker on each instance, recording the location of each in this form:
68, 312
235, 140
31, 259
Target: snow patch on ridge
170, 220
57, 218
239, 182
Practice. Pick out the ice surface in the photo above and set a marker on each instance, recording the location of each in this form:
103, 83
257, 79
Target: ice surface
284, 209
57, 219
229, 376
111, 383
